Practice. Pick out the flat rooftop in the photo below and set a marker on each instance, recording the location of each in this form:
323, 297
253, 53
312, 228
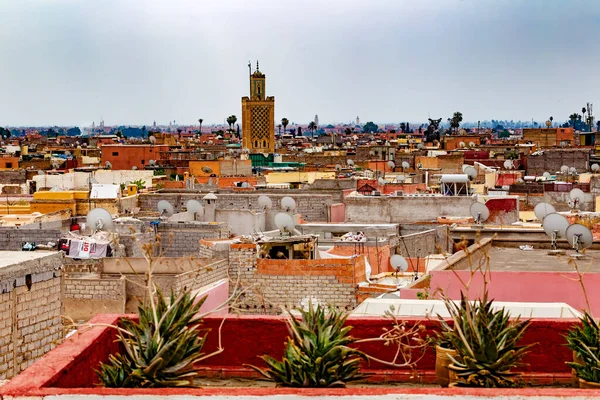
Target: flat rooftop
9, 258
515, 259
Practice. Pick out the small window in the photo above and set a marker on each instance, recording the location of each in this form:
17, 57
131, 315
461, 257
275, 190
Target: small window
115, 153
9, 165
143, 162
150, 150
264, 143
256, 143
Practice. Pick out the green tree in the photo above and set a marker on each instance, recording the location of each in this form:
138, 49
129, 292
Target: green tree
370, 127
312, 127
455, 121
4, 133
284, 122
200, 120
140, 184
402, 127
231, 120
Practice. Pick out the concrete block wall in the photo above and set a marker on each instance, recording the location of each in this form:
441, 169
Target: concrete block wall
271, 286
94, 288
419, 244
181, 239
12, 238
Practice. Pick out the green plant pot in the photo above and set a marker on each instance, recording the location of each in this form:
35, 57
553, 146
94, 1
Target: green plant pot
588, 385
442, 361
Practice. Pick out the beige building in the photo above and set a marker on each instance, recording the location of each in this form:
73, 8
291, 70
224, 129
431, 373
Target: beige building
258, 116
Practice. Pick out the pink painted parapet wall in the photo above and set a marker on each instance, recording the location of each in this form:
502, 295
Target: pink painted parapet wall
537, 287
217, 293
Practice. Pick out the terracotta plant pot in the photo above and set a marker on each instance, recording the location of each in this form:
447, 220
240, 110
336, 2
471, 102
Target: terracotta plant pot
588, 385
574, 377
442, 361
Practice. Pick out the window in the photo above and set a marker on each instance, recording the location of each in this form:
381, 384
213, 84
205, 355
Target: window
264, 143
256, 143
115, 153
150, 150
9, 165
143, 162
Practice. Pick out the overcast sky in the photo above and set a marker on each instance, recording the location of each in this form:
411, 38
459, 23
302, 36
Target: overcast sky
72, 62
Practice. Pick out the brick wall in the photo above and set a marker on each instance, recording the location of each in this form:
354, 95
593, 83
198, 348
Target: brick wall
181, 239
13, 177
289, 283
94, 288
552, 160
419, 244
12, 238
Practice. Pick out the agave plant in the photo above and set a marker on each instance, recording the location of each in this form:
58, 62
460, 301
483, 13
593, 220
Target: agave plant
584, 340
486, 342
160, 349
317, 352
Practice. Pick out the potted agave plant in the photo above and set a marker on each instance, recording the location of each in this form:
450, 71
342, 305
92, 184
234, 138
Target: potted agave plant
443, 351
584, 340
486, 344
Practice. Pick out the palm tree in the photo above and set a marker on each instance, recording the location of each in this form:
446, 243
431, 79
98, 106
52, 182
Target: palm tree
284, 122
200, 120
583, 111
402, 127
231, 120
456, 120
551, 119
312, 127
574, 118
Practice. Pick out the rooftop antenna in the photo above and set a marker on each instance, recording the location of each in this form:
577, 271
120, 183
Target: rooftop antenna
576, 198
543, 209
194, 208
288, 204
555, 225
579, 237
165, 208
99, 219
480, 213
285, 223
265, 202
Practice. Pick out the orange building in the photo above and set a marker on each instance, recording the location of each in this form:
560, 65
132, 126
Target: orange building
9, 162
550, 137
126, 156
460, 142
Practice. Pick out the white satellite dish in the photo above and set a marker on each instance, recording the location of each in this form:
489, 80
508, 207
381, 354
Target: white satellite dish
338, 167
508, 164
405, 165
564, 169
194, 208
265, 202
400, 178
573, 170
462, 144
547, 175
207, 170
399, 263
285, 223
288, 204
40, 172
479, 212
579, 237
420, 146
108, 164
595, 167
350, 162
471, 172
165, 208
391, 164
555, 226
542, 209
471, 144
134, 168
55, 165
152, 162
152, 139
381, 181
99, 219
577, 196
246, 185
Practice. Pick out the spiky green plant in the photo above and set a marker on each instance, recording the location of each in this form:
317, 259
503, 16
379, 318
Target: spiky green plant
160, 349
584, 340
317, 352
486, 342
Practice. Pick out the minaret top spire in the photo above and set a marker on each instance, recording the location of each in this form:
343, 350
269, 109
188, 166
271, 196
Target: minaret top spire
256, 65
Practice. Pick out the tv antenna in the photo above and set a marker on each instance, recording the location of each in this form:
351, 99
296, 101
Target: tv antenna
285, 223
265, 202
194, 208
555, 225
543, 209
579, 237
99, 219
288, 204
480, 213
462, 145
165, 208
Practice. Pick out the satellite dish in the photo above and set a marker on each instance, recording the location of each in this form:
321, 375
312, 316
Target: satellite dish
55, 189
288, 204
399, 263
99, 219
471, 144
508, 164
152, 162
381, 181
55, 165
338, 167
543, 209
576, 195
420, 146
462, 144
245, 185
564, 169
152, 139
595, 167
579, 237
573, 170
555, 226
350, 162
405, 165
265, 202
194, 208
400, 178
547, 175
391, 164
108, 164
285, 222
207, 170
134, 168
479, 212
40, 172
471, 172
165, 208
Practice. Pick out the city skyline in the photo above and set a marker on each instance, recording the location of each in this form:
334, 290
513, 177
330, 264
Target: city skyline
68, 63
